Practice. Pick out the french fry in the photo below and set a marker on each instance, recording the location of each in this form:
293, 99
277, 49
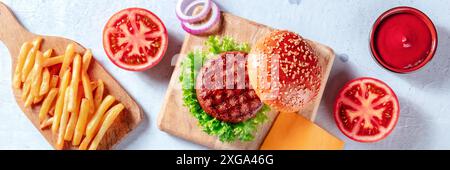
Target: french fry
86, 141
94, 85
82, 122
68, 136
45, 108
52, 110
76, 68
87, 57
42, 77
47, 54
37, 77
111, 115
24, 50
68, 58
38, 99
45, 86
54, 81
57, 112
26, 88
63, 123
37, 42
46, 123
87, 60
53, 84
94, 123
29, 63
92, 126
60, 101
88, 91
54, 61
28, 84
29, 100
99, 93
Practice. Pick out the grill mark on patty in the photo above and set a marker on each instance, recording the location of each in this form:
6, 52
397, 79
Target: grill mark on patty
231, 102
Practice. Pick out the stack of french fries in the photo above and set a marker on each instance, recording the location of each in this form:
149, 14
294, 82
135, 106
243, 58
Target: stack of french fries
71, 105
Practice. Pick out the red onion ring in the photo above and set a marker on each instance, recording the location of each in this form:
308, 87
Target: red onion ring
198, 29
191, 7
184, 6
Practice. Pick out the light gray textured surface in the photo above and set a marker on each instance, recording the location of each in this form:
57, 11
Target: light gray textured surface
344, 25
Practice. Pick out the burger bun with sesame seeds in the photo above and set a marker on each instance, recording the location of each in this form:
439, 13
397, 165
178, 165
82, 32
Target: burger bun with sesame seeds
284, 71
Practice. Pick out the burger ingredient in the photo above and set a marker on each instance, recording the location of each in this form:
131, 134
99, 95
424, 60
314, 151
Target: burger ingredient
204, 26
185, 10
292, 131
135, 39
285, 71
223, 90
366, 110
226, 132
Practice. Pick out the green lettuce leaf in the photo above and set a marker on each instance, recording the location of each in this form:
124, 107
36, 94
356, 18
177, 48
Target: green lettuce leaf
226, 132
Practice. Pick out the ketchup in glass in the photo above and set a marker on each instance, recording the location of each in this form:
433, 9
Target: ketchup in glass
403, 39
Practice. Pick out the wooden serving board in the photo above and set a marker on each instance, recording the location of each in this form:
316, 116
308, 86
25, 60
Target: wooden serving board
175, 119
13, 35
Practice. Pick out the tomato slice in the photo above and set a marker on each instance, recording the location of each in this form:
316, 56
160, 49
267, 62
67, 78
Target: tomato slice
135, 39
366, 110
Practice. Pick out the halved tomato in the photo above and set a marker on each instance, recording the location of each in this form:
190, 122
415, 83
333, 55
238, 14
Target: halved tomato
366, 110
135, 39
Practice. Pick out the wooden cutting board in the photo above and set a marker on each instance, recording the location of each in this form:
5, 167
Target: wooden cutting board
175, 119
13, 34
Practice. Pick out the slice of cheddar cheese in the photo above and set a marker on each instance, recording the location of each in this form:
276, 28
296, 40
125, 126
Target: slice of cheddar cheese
293, 132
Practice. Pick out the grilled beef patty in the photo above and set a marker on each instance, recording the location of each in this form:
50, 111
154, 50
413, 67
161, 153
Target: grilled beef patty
223, 89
